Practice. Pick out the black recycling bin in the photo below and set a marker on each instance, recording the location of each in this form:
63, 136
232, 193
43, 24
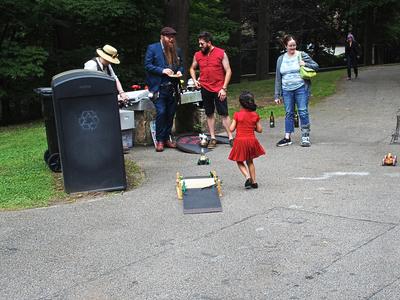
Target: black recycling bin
51, 155
89, 131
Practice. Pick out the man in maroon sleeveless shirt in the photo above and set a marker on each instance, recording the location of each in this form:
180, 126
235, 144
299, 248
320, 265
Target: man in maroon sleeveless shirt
215, 74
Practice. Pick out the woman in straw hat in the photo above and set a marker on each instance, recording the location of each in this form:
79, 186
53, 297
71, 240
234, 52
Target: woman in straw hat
106, 56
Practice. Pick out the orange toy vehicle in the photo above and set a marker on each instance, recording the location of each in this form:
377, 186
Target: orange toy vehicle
389, 160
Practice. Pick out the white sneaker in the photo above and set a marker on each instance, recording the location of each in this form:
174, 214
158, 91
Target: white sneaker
305, 141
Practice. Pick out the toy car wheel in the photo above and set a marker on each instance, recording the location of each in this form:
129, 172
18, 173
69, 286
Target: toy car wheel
394, 160
46, 155
54, 162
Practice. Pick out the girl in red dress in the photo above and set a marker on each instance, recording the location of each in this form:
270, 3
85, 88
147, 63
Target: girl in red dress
246, 146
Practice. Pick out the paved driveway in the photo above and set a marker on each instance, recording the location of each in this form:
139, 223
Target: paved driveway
324, 223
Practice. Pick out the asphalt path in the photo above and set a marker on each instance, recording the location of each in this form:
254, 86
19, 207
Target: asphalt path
324, 223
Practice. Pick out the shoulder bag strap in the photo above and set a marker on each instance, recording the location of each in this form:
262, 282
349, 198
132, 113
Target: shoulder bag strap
299, 56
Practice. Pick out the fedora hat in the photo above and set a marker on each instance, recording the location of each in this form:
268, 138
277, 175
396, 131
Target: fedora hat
109, 53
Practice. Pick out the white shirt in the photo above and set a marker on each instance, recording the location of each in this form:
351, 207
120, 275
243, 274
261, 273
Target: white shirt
91, 65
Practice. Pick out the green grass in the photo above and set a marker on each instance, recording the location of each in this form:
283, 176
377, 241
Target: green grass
323, 86
25, 180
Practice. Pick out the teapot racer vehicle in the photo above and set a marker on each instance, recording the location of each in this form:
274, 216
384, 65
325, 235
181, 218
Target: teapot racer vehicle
182, 183
389, 160
203, 160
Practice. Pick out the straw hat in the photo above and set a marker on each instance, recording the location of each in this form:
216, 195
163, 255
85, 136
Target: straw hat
109, 53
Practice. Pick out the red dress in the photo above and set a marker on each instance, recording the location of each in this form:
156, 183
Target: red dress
246, 146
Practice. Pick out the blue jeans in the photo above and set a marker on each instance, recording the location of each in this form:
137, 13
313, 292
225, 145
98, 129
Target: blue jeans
299, 98
165, 108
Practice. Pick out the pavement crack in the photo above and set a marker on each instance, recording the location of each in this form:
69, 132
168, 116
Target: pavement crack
211, 233
382, 288
172, 248
324, 269
338, 216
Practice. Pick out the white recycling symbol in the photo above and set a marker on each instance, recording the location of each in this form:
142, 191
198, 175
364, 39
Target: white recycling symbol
89, 120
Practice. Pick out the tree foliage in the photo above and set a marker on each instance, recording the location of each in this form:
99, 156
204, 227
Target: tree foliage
41, 38
211, 16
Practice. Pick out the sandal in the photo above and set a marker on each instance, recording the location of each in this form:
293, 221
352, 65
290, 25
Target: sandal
212, 144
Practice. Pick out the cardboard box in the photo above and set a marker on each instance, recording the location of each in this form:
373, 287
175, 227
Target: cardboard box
127, 119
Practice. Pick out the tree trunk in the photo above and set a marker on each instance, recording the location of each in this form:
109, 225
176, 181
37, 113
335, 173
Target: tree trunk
5, 110
235, 40
368, 37
177, 17
263, 37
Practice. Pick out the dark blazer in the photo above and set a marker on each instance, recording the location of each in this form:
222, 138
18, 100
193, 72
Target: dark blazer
154, 63
352, 51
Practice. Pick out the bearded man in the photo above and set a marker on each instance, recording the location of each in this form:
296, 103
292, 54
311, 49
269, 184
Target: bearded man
215, 74
164, 66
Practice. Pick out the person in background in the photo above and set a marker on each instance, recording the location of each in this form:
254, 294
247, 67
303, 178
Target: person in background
106, 56
246, 146
294, 90
215, 74
352, 50
164, 67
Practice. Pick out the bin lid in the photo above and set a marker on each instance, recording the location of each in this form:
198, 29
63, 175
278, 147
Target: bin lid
70, 75
82, 83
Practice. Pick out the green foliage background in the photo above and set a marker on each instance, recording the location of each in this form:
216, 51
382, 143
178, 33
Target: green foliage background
41, 38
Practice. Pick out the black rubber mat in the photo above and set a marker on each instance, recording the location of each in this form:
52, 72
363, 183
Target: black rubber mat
205, 200
221, 139
190, 143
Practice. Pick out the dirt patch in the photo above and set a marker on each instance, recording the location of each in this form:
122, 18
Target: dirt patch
134, 177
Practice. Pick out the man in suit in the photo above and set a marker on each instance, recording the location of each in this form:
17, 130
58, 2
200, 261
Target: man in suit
164, 66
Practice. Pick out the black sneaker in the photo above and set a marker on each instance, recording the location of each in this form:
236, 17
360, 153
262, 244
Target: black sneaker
247, 184
284, 142
254, 185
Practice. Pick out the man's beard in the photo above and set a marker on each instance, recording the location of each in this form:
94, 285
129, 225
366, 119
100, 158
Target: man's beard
205, 50
170, 53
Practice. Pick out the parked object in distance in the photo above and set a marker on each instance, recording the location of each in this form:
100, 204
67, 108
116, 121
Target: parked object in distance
389, 160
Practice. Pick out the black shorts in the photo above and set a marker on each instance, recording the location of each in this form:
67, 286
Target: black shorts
211, 101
